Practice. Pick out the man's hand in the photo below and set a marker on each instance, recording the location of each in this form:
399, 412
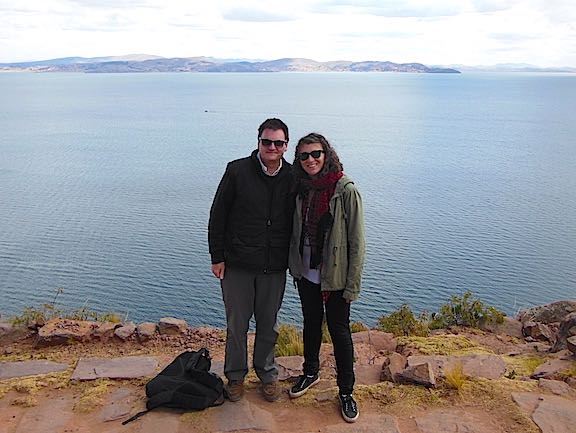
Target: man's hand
218, 270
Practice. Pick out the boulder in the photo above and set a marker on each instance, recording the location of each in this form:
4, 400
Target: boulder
566, 330
380, 341
104, 331
475, 365
420, 374
509, 326
289, 366
393, 365
172, 326
10, 333
125, 331
549, 313
146, 330
64, 331
571, 344
538, 332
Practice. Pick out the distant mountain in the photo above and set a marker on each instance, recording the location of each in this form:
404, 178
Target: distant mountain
511, 67
146, 63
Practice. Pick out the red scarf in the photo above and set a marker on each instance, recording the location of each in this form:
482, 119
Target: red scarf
316, 218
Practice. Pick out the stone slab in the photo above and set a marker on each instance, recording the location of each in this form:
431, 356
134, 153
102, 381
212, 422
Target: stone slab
29, 368
128, 367
368, 424
241, 415
51, 417
367, 374
555, 415
455, 421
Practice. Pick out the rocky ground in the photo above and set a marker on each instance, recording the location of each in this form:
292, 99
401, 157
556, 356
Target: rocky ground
472, 381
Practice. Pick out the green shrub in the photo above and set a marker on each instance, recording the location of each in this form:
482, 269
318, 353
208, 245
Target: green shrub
358, 327
403, 323
289, 342
465, 311
46, 312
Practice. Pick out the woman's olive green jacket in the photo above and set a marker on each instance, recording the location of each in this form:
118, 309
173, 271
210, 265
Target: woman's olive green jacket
344, 246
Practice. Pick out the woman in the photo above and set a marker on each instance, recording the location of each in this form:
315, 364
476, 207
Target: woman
326, 260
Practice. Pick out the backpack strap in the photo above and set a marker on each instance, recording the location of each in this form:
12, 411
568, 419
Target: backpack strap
152, 403
135, 417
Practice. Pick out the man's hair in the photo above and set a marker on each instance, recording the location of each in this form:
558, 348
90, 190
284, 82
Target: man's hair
274, 124
332, 163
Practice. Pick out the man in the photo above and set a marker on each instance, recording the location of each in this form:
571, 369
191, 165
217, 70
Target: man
248, 236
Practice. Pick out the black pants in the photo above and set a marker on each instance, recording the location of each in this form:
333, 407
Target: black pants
338, 319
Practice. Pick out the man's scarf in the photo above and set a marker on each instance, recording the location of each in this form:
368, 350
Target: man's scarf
316, 218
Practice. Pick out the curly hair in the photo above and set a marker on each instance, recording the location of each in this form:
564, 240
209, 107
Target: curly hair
332, 163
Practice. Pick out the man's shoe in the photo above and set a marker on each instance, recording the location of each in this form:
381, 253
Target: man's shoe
349, 407
304, 383
271, 391
234, 390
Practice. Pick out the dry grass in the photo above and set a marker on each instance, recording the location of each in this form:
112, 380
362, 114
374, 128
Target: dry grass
443, 345
289, 341
455, 377
522, 365
92, 395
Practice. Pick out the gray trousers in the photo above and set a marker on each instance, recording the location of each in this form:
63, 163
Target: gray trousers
248, 294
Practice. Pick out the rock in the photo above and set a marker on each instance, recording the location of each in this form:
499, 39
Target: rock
118, 405
29, 368
172, 326
367, 374
52, 416
571, 344
368, 424
510, 326
146, 330
475, 365
289, 366
420, 374
566, 330
555, 415
10, 333
63, 331
549, 313
126, 331
538, 332
551, 369
129, 367
104, 331
453, 421
393, 365
380, 341
556, 387
552, 414
242, 415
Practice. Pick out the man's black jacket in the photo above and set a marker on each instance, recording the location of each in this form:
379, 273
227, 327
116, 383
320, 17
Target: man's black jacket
251, 217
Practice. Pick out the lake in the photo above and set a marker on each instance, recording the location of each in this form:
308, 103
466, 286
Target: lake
106, 181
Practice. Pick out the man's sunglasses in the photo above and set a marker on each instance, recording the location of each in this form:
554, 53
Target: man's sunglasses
303, 156
267, 142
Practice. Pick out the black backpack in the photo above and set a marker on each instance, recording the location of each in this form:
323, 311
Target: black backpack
186, 383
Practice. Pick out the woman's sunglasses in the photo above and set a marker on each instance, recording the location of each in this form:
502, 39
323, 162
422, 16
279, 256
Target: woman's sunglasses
303, 156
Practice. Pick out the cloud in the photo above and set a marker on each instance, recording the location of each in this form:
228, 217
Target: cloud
394, 8
254, 15
115, 4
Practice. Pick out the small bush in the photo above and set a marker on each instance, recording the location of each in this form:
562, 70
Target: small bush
289, 341
34, 315
403, 323
455, 377
465, 311
358, 327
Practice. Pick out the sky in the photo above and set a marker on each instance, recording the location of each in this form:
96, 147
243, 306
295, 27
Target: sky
433, 32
